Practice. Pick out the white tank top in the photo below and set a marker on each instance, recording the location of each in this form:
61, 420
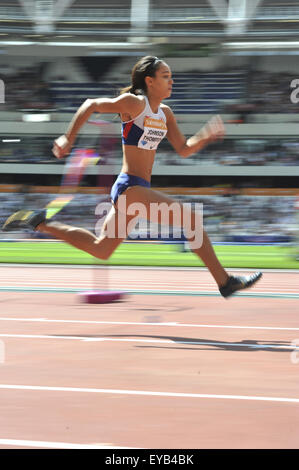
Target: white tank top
147, 130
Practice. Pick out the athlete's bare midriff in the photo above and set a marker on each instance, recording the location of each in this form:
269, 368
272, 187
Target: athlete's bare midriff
138, 162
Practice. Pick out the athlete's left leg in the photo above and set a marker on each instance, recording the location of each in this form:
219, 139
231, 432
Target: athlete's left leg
101, 247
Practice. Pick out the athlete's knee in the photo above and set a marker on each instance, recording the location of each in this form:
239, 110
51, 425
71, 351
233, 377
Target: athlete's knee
103, 250
103, 255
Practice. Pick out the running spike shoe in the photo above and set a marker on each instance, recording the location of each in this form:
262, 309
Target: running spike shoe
235, 283
25, 219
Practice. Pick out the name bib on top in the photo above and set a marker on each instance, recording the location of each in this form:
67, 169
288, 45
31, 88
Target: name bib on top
154, 130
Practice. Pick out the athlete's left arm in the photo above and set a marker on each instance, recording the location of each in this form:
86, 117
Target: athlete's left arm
213, 130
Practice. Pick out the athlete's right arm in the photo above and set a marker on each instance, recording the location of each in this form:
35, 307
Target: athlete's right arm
126, 103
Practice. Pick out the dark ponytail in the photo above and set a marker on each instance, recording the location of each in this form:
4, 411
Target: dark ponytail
145, 67
128, 89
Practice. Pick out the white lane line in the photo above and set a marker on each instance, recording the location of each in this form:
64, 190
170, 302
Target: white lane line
121, 277
148, 393
138, 285
57, 445
187, 292
81, 338
46, 320
255, 345
139, 268
177, 324
198, 343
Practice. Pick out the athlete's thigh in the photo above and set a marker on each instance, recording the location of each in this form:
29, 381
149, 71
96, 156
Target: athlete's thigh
145, 196
115, 226
156, 207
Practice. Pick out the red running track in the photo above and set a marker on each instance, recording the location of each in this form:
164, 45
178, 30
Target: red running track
185, 369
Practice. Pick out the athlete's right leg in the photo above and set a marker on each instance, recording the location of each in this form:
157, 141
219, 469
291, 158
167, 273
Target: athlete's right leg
205, 251
101, 247
203, 247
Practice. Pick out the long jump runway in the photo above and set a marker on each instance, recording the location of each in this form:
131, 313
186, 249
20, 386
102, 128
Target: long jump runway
172, 366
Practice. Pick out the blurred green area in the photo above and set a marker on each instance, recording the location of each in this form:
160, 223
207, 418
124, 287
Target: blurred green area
149, 254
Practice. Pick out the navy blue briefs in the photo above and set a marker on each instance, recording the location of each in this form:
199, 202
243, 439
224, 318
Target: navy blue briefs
123, 182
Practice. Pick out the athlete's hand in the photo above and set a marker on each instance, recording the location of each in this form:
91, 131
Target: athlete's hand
62, 146
213, 130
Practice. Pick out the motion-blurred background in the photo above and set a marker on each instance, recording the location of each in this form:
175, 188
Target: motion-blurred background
238, 58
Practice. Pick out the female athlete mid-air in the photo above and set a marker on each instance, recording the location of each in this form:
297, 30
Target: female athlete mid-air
145, 122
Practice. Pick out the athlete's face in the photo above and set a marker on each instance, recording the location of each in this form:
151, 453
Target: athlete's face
161, 83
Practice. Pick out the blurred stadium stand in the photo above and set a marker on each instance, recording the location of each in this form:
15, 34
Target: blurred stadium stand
229, 216
55, 55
